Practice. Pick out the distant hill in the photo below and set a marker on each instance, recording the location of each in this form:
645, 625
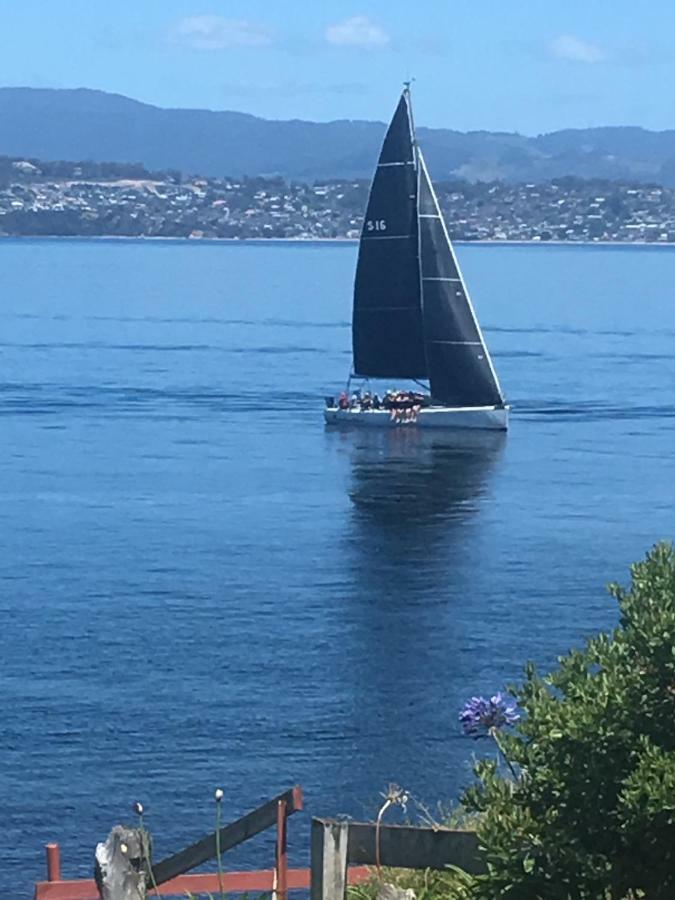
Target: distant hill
85, 124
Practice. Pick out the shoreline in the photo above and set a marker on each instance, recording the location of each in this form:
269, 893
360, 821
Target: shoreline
309, 241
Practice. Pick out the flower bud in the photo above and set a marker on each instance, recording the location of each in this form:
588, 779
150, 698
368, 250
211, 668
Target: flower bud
218, 794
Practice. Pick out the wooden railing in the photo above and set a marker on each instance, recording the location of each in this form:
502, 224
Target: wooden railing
170, 876
342, 854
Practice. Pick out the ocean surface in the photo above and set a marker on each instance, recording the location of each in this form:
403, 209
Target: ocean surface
201, 586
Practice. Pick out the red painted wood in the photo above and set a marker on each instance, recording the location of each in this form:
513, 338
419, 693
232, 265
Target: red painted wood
233, 882
282, 854
66, 890
53, 853
298, 799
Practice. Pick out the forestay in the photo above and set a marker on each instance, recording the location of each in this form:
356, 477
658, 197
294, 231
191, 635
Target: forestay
387, 331
459, 365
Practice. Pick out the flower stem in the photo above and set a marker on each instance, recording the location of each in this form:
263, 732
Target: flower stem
385, 806
145, 845
218, 853
495, 737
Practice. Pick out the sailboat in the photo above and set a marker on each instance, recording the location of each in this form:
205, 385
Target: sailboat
412, 315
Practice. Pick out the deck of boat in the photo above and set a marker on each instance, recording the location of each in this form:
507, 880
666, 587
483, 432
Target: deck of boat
493, 418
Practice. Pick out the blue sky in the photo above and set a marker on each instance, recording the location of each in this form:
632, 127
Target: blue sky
524, 65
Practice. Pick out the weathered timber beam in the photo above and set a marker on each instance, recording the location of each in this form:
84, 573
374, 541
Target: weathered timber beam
337, 844
407, 847
202, 851
329, 841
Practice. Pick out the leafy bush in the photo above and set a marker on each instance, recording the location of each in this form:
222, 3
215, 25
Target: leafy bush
590, 812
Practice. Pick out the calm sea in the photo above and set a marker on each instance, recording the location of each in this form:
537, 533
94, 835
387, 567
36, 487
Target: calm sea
200, 586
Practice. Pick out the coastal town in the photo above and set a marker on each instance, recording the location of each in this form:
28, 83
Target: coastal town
107, 199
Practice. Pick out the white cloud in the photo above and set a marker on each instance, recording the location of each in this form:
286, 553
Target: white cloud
569, 47
217, 33
358, 31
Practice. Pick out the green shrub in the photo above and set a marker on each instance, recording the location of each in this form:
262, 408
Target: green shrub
591, 811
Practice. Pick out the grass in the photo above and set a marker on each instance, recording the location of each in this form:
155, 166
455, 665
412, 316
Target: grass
426, 885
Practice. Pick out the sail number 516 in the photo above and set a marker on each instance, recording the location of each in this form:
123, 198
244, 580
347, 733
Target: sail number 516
376, 225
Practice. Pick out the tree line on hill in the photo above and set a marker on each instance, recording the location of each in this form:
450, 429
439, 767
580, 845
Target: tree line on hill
74, 124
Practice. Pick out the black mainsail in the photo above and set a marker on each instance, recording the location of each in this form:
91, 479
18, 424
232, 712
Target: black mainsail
387, 331
412, 314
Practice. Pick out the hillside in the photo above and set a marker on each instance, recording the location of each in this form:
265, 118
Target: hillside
86, 124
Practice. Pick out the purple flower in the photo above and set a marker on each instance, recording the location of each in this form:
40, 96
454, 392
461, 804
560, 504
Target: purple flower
480, 716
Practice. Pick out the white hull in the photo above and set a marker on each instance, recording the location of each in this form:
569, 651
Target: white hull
492, 418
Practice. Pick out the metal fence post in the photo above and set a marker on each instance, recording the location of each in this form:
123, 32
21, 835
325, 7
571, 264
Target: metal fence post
282, 851
53, 854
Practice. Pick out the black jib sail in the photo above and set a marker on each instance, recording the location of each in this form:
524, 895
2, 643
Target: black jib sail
387, 330
459, 365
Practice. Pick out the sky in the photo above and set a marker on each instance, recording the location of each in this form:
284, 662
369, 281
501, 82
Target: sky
530, 66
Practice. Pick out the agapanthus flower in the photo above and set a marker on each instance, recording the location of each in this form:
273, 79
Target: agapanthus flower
480, 716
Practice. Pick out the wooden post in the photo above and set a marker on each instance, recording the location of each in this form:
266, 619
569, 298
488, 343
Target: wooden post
329, 860
53, 853
120, 868
282, 854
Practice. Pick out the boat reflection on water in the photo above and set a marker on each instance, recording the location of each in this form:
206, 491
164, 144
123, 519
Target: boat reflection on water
415, 545
412, 488
416, 539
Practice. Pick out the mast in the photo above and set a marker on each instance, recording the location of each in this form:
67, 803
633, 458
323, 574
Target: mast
416, 152
411, 118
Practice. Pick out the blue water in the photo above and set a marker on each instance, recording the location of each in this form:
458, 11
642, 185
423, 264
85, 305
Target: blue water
200, 586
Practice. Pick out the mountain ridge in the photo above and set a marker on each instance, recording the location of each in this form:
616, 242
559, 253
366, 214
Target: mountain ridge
84, 123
